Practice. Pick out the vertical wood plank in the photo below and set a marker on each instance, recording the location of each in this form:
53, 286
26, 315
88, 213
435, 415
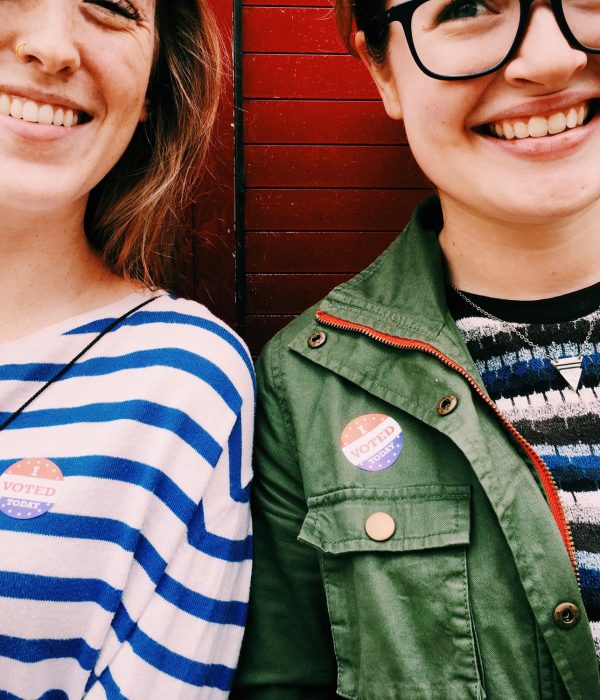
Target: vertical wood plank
213, 214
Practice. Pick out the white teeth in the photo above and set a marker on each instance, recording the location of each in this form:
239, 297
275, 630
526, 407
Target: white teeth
46, 115
557, 123
537, 126
16, 109
521, 130
572, 118
59, 115
30, 111
35, 113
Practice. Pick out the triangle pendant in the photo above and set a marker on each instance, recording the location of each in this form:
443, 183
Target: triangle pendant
571, 369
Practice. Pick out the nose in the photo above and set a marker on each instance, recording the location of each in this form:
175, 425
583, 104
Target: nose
47, 38
545, 57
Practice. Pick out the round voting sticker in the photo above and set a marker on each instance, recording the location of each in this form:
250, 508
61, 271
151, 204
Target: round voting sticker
372, 442
30, 488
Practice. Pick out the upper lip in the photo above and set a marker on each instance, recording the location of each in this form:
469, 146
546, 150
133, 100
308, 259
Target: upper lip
43, 97
538, 106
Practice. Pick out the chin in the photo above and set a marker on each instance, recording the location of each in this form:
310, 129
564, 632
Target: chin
553, 203
33, 198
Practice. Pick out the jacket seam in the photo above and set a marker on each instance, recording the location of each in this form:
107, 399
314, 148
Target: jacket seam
388, 316
280, 395
327, 587
524, 563
393, 541
381, 497
469, 617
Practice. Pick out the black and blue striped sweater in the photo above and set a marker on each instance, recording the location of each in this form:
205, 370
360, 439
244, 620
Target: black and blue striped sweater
563, 425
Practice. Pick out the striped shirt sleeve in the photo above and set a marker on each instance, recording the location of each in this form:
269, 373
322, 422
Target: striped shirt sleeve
133, 582
182, 638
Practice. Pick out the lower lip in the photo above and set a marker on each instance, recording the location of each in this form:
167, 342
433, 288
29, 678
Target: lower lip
30, 131
546, 147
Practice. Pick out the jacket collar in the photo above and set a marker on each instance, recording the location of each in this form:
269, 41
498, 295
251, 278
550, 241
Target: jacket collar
403, 292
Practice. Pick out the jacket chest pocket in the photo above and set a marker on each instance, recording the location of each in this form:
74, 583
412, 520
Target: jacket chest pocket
394, 567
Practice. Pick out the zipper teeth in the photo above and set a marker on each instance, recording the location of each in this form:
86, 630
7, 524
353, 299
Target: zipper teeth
548, 481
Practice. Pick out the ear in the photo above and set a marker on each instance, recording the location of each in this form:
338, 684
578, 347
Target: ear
145, 111
383, 78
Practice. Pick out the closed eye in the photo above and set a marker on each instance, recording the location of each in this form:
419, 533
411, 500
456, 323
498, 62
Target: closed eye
118, 7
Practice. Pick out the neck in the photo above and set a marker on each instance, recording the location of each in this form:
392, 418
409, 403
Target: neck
508, 260
49, 271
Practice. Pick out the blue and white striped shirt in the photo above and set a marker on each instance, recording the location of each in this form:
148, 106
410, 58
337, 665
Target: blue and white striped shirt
125, 536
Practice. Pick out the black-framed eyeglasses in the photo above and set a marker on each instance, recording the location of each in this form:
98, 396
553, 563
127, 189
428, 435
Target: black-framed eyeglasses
463, 39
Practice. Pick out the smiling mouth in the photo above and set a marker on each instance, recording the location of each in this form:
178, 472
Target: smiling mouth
40, 113
538, 126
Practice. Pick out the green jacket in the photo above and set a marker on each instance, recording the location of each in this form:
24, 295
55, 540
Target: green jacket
452, 593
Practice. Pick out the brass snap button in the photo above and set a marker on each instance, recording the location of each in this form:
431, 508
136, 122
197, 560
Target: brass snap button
447, 404
316, 339
380, 527
566, 615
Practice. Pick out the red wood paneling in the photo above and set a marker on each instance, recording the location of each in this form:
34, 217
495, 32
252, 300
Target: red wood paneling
313, 251
329, 179
332, 166
278, 76
319, 122
287, 3
330, 210
290, 30
214, 243
260, 328
289, 293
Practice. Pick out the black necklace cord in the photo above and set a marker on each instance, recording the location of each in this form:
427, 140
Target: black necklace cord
63, 370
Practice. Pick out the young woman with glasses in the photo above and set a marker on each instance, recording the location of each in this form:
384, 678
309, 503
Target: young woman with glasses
428, 452
125, 413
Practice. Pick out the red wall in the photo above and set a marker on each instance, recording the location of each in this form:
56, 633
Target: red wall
329, 179
210, 275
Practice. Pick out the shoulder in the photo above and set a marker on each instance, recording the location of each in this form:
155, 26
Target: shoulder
190, 330
192, 326
171, 341
277, 362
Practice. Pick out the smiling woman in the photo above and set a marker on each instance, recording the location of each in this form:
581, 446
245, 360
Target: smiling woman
427, 494
125, 413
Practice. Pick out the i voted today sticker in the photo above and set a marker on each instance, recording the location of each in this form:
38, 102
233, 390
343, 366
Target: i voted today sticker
30, 488
372, 442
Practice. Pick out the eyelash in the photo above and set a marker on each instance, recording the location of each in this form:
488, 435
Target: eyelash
120, 7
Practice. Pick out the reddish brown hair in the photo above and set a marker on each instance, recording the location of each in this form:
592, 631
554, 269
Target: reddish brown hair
366, 16
133, 217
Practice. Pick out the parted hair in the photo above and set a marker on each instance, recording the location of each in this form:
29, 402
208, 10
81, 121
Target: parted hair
366, 14
133, 217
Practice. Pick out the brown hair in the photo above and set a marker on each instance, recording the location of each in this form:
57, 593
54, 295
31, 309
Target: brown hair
367, 16
133, 216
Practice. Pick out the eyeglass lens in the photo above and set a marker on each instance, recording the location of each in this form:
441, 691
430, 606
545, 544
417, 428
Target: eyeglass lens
465, 37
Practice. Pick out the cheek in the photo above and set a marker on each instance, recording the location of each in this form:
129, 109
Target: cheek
436, 121
432, 131
123, 74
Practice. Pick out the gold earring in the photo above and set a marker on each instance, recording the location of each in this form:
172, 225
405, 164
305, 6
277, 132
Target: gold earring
18, 54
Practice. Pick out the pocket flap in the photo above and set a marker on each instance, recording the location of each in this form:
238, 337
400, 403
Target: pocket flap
424, 517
